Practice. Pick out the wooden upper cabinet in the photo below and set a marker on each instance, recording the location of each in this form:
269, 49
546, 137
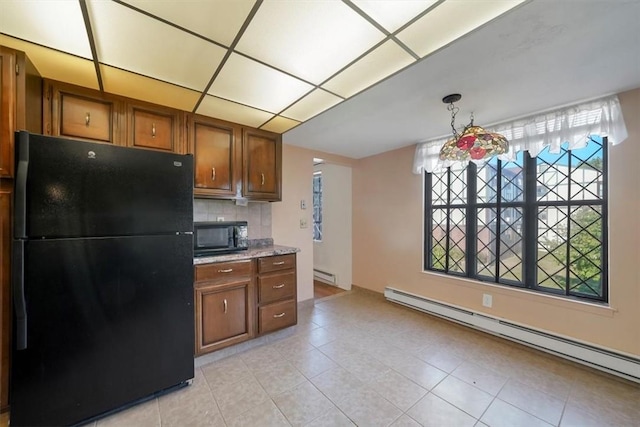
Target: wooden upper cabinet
20, 103
262, 164
82, 114
8, 110
154, 127
216, 156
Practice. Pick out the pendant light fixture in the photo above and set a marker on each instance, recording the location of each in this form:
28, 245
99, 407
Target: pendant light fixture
474, 143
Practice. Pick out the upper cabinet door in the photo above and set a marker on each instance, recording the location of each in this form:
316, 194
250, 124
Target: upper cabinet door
82, 114
154, 127
20, 103
216, 158
8, 110
262, 163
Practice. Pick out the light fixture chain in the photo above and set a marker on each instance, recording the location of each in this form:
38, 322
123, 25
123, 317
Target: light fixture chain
454, 110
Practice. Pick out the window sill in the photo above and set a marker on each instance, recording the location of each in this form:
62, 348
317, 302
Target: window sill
600, 309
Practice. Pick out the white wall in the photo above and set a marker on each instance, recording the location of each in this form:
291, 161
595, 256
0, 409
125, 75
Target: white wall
297, 173
333, 253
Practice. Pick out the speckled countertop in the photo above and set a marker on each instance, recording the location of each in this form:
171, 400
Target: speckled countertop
252, 252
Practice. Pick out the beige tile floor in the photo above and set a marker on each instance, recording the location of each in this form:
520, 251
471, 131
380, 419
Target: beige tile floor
355, 359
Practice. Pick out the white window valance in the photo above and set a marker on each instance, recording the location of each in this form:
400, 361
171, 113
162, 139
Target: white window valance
573, 125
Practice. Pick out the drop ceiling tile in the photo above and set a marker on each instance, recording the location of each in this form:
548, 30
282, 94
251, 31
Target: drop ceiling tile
450, 21
232, 112
218, 20
393, 14
280, 124
248, 82
309, 39
56, 65
312, 104
381, 63
54, 23
149, 47
135, 86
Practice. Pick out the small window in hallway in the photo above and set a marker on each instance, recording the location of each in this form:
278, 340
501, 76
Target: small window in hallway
317, 206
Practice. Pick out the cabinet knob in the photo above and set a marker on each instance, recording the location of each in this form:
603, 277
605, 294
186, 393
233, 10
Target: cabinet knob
225, 306
262, 180
228, 270
87, 119
278, 263
279, 315
280, 286
153, 130
213, 174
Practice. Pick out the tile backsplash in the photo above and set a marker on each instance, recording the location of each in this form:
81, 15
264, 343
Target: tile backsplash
257, 214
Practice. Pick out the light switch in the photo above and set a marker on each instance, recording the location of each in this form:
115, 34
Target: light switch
303, 204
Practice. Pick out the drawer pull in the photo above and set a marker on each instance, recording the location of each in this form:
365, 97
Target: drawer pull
279, 315
225, 306
228, 270
87, 119
278, 263
278, 286
262, 180
153, 130
213, 174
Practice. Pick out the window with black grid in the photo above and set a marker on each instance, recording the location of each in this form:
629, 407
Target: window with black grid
535, 222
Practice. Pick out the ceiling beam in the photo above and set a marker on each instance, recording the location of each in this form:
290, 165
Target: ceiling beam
92, 42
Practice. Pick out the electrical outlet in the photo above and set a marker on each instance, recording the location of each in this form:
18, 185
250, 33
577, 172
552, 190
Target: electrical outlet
220, 218
487, 300
303, 223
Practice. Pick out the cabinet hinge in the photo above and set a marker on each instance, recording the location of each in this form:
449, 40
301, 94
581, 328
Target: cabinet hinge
17, 69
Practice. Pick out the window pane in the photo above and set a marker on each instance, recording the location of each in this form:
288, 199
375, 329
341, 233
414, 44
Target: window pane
458, 186
317, 206
585, 251
457, 241
552, 174
486, 242
511, 244
552, 247
487, 181
587, 172
513, 179
439, 188
438, 239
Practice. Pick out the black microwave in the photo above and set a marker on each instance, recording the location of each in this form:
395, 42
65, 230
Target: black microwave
221, 237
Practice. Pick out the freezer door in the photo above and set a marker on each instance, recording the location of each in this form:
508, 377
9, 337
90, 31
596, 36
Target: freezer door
67, 188
109, 321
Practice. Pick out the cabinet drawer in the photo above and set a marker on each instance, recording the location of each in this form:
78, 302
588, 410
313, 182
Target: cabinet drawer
223, 270
276, 316
153, 130
275, 263
276, 287
85, 118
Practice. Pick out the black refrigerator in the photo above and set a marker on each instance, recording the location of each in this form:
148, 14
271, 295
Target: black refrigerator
102, 278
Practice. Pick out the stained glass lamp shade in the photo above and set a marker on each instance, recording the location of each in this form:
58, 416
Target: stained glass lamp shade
474, 143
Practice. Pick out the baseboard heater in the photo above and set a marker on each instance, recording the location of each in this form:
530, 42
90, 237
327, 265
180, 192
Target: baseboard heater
605, 360
324, 276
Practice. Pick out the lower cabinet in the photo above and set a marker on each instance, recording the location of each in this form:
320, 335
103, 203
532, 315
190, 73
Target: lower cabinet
224, 301
277, 302
235, 299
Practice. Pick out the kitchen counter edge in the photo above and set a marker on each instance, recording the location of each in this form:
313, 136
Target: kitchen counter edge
248, 254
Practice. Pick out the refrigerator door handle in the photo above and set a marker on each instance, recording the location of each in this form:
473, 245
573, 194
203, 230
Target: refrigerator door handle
20, 196
19, 302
